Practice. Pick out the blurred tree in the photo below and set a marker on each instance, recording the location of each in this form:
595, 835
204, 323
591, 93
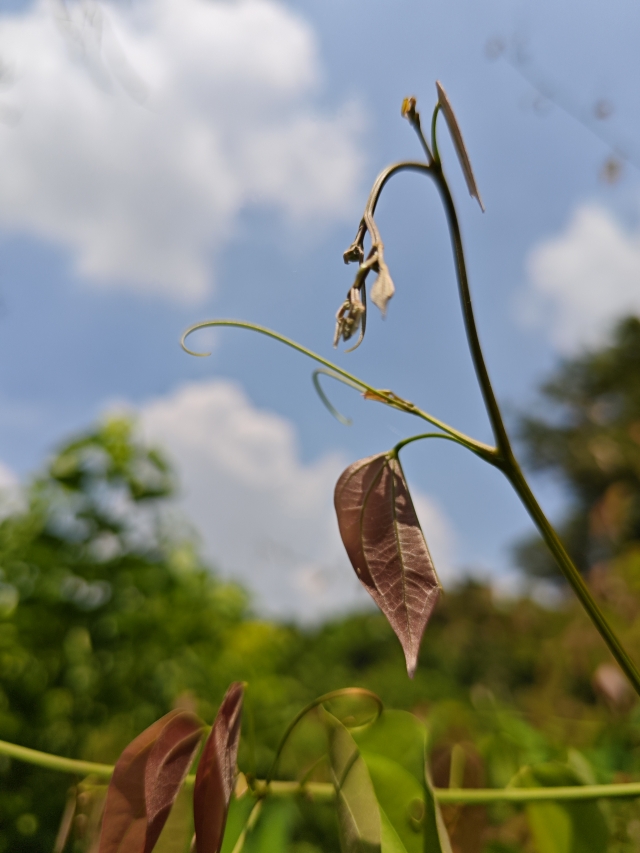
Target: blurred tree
591, 442
107, 619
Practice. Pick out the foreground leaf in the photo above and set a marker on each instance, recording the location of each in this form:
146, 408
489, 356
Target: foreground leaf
394, 750
216, 773
356, 803
382, 536
458, 143
145, 782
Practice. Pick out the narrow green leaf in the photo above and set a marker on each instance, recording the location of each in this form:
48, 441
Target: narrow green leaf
274, 829
436, 837
237, 817
356, 803
401, 797
391, 842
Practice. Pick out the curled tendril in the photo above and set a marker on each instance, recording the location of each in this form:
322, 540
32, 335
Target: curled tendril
327, 697
327, 402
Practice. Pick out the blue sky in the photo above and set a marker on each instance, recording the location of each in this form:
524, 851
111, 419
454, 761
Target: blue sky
170, 161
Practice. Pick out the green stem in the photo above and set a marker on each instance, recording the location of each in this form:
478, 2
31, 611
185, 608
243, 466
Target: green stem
505, 458
434, 138
398, 447
383, 395
326, 791
572, 575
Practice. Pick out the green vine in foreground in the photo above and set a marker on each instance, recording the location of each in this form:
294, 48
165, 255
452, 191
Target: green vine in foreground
325, 791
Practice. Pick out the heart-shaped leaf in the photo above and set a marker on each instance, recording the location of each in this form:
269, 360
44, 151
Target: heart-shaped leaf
216, 773
381, 533
145, 782
458, 143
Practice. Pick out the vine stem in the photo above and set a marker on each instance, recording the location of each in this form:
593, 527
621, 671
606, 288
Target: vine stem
505, 458
325, 791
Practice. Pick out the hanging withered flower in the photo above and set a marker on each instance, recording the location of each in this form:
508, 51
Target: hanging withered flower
383, 287
351, 315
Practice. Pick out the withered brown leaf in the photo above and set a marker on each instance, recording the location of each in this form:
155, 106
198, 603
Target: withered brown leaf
145, 782
458, 143
215, 777
382, 536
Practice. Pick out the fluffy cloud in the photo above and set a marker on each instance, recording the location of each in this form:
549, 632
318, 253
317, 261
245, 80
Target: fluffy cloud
581, 281
265, 516
134, 133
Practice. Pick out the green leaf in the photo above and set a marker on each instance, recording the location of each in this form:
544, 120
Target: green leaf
237, 817
436, 837
391, 842
394, 749
397, 735
401, 797
356, 803
578, 827
274, 828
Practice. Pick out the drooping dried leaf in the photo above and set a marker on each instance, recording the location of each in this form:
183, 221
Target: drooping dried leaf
458, 142
146, 781
382, 536
216, 773
383, 288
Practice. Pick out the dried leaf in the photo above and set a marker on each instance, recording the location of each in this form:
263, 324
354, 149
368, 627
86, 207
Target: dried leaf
458, 142
215, 778
146, 781
382, 536
383, 288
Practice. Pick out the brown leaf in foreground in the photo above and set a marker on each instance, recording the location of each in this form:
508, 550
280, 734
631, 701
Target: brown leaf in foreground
146, 781
382, 536
216, 773
458, 143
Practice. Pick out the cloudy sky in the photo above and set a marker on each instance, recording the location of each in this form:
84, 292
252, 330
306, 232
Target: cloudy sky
166, 161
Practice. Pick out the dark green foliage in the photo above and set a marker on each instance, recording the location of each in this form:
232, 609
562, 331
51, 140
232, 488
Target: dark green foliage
591, 442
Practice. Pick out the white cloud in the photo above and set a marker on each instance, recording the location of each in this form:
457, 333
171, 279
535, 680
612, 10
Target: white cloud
265, 516
581, 281
134, 134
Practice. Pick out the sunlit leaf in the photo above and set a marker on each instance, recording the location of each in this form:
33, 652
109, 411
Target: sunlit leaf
567, 827
458, 143
401, 798
382, 536
356, 803
399, 736
436, 837
216, 773
145, 782
391, 842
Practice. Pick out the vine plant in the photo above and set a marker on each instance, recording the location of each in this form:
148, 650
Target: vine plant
372, 765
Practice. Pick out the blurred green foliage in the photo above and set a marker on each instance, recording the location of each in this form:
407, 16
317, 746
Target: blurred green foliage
590, 441
109, 618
